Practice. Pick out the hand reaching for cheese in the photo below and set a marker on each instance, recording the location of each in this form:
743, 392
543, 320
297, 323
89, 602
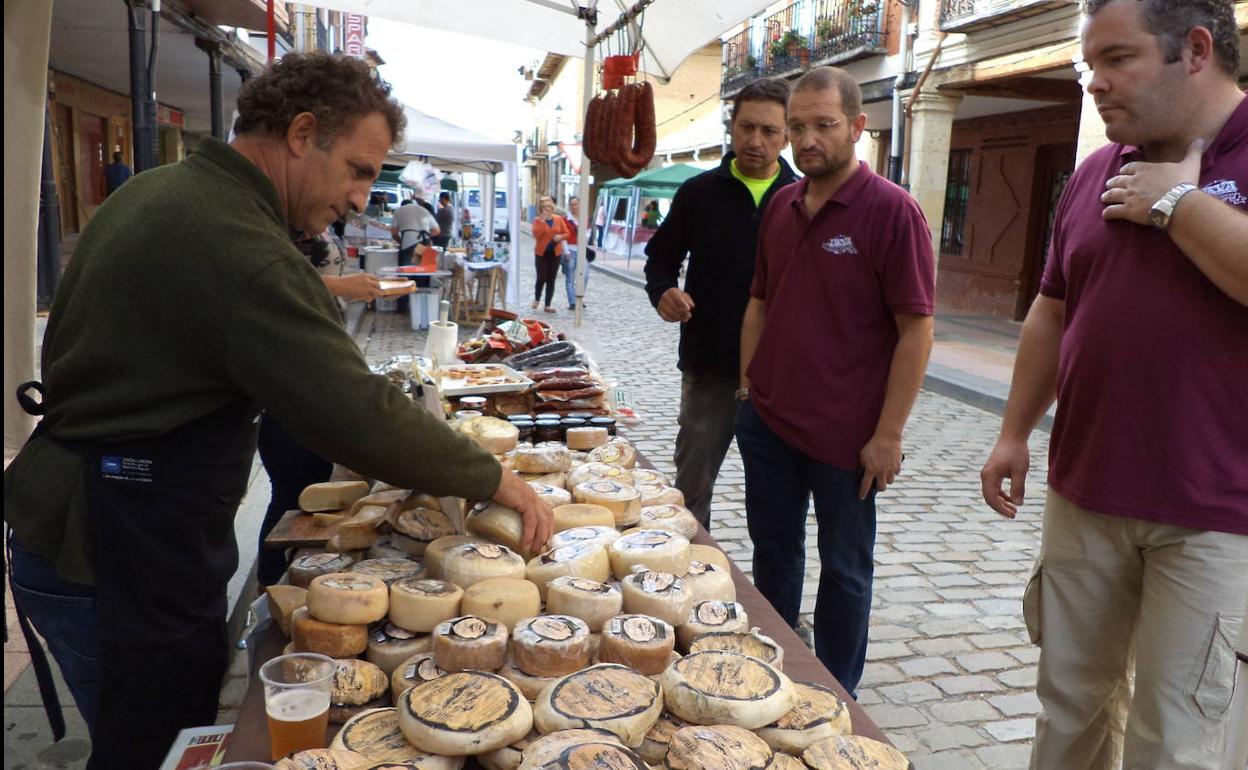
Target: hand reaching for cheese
516, 494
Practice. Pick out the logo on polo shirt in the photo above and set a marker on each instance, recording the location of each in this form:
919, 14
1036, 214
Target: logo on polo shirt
841, 244
1227, 190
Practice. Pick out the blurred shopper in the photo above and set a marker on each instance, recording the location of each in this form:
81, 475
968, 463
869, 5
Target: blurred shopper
445, 216
115, 174
570, 252
550, 233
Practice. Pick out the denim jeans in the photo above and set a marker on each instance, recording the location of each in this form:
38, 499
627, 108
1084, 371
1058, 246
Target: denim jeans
779, 482
708, 410
568, 260
64, 614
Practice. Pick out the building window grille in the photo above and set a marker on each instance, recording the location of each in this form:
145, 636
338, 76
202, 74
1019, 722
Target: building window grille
957, 196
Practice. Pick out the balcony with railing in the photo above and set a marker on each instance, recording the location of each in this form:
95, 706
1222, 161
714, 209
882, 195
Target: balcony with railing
740, 63
975, 15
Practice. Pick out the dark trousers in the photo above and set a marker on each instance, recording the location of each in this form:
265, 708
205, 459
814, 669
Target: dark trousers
779, 482
708, 410
291, 467
547, 272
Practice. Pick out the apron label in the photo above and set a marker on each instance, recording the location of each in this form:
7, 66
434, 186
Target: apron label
118, 468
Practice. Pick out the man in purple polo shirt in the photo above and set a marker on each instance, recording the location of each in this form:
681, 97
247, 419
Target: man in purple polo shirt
1141, 333
833, 347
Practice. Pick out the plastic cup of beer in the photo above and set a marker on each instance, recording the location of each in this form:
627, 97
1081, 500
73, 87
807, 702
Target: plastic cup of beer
296, 698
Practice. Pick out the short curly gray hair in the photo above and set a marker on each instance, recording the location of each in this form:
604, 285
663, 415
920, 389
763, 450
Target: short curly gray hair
1171, 20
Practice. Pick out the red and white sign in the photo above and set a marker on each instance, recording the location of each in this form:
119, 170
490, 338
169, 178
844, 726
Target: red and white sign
353, 26
168, 116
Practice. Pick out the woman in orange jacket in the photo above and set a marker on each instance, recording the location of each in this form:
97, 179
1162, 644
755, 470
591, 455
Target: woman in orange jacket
550, 232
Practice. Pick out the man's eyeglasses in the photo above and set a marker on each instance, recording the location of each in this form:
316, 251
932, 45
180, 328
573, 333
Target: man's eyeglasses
822, 128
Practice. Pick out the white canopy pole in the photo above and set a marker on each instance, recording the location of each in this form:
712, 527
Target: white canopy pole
487, 204
587, 215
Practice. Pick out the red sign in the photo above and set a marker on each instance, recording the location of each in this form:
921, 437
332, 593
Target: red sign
353, 25
168, 116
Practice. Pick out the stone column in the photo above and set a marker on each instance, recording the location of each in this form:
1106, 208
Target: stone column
1091, 127
930, 133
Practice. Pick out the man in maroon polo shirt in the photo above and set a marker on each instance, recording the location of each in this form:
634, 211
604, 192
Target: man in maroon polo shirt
833, 348
1141, 333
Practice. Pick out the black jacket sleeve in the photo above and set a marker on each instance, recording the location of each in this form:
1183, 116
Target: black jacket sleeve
666, 251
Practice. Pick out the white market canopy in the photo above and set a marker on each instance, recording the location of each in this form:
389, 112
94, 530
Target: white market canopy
449, 146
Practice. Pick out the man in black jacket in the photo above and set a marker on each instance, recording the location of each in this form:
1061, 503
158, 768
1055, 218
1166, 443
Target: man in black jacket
714, 220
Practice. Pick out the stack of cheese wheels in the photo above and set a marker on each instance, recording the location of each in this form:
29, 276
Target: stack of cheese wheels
503, 600
471, 563
305, 569
389, 645
331, 495
654, 748
283, 600
546, 748
710, 616
652, 549
592, 471
558, 480
707, 554
491, 434
542, 458
608, 696
420, 604
752, 643
674, 518
324, 759
435, 553
583, 560
422, 526
545, 648
508, 757
592, 756
551, 495
337, 640
592, 601
641, 642
375, 734
650, 476
586, 438
615, 452
719, 747
853, 752
575, 515
622, 500
660, 494
715, 687
421, 667
357, 686
464, 713
389, 570
596, 534
817, 713
499, 524
339, 608
707, 581
660, 595
469, 643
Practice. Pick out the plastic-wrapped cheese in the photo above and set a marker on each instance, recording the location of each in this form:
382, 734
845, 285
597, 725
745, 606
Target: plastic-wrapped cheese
420, 604
574, 515
623, 501
421, 667
499, 524
530, 685
721, 747
817, 713
469, 643
715, 687
550, 645
707, 581
551, 495
660, 494
283, 601
348, 598
589, 535
752, 643
612, 697
652, 549
435, 553
853, 752
548, 747
640, 642
331, 495
710, 616
491, 434
375, 734
336, 640
541, 459
592, 471
471, 563
616, 452
389, 570
503, 600
592, 601
673, 518
586, 438
584, 560
660, 595
464, 713
304, 569
390, 645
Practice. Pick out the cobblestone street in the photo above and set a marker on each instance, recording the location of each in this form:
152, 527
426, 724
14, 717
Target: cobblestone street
950, 673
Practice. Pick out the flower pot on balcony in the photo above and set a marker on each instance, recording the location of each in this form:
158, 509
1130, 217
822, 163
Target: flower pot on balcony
803, 57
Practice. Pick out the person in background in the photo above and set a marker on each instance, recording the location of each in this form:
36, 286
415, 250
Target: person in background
411, 227
376, 205
550, 232
573, 221
424, 204
600, 219
115, 174
652, 217
445, 216
1140, 333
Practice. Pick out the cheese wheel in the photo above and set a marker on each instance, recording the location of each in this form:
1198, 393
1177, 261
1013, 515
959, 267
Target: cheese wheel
721, 747
499, 524
575, 515
603, 535
389, 570
550, 458
348, 598
548, 747
421, 667
715, 687
389, 645
584, 560
335, 640
357, 682
853, 752
709, 554
558, 480
491, 434
752, 643
331, 495
389, 547
708, 582
674, 518
654, 748
464, 713
710, 616
375, 734
423, 524
469, 643
283, 600
781, 761
324, 759
640, 642
660, 494
652, 549
596, 756
592, 471
530, 685
550, 645
361, 530
471, 563
660, 595
508, 757
586, 438
551, 495
592, 601
413, 548
650, 476
623, 501
435, 552
608, 696
615, 452
304, 569
383, 498
817, 713
503, 600
420, 604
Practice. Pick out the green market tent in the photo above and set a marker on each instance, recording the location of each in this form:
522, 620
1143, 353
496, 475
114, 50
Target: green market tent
655, 183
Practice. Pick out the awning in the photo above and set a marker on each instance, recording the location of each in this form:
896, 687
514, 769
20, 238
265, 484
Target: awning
656, 183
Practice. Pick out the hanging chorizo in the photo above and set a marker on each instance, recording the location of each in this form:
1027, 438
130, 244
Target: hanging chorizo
641, 148
589, 136
622, 131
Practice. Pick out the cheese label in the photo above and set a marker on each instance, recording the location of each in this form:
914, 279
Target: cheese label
566, 553
647, 476
590, 586
596, 756
638, 628
728, 675
731, 641
543, 489
812, 706
701, 568
605, 487
424, 670
553, 628
470, 628
646, 540
377, 736
486, 550
722, 747
604, 692
579, 533
657, 582
394, 632
856, 752
662, 511
609, 453
467, 701
715, 613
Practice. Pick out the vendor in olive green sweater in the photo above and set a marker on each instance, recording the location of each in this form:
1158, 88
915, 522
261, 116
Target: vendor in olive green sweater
185, 311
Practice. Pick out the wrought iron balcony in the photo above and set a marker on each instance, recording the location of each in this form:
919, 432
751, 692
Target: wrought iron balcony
974, 15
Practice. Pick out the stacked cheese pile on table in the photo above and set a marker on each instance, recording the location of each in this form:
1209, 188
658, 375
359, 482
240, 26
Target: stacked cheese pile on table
564, 659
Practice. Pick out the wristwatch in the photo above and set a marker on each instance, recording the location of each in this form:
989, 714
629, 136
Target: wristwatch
1161, 212
743, 394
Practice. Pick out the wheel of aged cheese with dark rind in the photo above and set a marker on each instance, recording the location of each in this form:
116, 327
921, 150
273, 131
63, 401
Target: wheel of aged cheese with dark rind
596, 756
548, 747
715, 687
596, 534
782, 761
710, 616
357, 682
652, 549
464, 713
718, 747
423, 524
708, 581
608, 696
336, 640
305, 569
658, 594
550, 645
592, 601
854, 752
470, 563
654, 748
640, 642
530, 685
615, 452
421, 667
389, 547
623, 501
817, 713
672, 517
574, 515
592, 471
331, 495
469, 643
503, 600
389, 570
508, 757
375, 734
324, 759
420, 604
436, 551
583, 560
389, 645
752, 643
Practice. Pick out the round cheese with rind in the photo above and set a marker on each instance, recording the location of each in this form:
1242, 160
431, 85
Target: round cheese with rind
710, 616
660, 494
435, 552
654, 748
592, 601
708, 582
650, 476
583, 560
551, 495
423, 525
304, 569
715, 687
608, 696
491, 434
389, 645
623, 501
615, 452
420, 604
782, 761
541, 459
336, 640
719, 747
389, 570
596, 756
357, 682
508, 757
674, 518
598, 534
591, 471
652, 549
530, 685
550, 645
375, 734
817, 713
503, 600
283, 600
348, 598
464, 713
470, 563
331, 495
548, 747
641, 642
390, 547
469, 643
324, 759
586, 438
709, 554
574, 515
660, 595
421, 667
752, 643
499, 524
853, 752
